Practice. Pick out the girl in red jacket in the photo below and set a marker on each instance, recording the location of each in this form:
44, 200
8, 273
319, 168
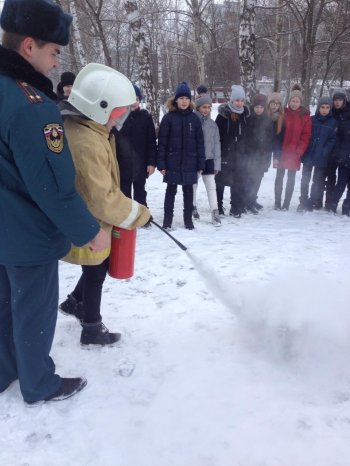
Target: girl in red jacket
296, 139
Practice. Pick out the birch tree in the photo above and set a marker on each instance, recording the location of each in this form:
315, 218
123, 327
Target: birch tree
144, 61
247, 47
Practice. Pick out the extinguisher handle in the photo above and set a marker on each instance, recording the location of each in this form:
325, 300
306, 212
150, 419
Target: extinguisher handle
181, 246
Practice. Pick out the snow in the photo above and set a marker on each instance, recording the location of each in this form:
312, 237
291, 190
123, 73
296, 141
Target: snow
235, 354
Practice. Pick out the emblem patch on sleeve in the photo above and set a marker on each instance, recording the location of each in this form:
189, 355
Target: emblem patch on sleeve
53, 133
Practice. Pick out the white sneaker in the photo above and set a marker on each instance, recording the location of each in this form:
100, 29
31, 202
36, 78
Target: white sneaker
215, 218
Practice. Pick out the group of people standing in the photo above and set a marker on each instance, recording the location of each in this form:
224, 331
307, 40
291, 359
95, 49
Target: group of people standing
236, 150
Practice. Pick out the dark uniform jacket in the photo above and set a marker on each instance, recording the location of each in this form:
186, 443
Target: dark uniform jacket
136, 145
41, 213
180, 146
322, 142
260, 131
233, 143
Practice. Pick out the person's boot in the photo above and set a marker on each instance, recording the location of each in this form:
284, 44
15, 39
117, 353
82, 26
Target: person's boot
215, 218
251, 209
221, 211
188, 219
167, 220
333, 207
195, 213
72, 307
258, 206
69, 387
235, 212
278, 205
285, 206
97, 334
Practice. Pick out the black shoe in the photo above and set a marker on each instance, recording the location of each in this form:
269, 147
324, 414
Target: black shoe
72, 307
278, 206
189, 225
252, 210
236, 213
98, 334
69, 387
195, 213
221, 211
258, 206
285, 207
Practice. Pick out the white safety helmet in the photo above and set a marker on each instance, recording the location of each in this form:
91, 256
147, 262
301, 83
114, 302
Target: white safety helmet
98, 89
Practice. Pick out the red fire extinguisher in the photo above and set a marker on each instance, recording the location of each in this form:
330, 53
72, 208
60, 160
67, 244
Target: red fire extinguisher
122, 257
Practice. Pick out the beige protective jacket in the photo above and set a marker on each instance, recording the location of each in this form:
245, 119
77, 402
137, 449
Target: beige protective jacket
98, 182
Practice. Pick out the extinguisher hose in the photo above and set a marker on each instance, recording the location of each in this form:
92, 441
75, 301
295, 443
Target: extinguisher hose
181, 246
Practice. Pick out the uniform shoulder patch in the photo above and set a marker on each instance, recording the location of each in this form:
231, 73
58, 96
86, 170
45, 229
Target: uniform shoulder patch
54, 136
30, 92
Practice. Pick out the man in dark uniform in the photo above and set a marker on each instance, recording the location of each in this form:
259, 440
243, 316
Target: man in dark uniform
41, 213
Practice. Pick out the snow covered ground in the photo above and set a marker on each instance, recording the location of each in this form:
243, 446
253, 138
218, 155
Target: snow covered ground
236, 354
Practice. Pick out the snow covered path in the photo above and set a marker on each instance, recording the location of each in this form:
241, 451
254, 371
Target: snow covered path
238, 358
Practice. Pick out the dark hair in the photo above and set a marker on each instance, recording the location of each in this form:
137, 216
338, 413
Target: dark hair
12, 41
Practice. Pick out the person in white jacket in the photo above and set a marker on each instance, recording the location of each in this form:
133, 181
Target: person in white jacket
212, 155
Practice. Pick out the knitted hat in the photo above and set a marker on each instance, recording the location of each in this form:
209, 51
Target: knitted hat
275, 97
296, 92
40, 19
183, 90
202, 89
138, 92
203, 100
259, 99
324, 101
237, 92
339, 94
67, 78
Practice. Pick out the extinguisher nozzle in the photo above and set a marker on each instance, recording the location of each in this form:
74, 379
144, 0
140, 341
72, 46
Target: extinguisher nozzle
181, 246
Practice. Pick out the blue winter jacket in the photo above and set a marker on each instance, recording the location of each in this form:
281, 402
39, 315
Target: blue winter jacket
41, 213
180, 146
322, 141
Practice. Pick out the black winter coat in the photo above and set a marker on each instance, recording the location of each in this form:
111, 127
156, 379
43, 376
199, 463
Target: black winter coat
342, 149
260, 131
136, 145
180, 146
233, 136
322, 142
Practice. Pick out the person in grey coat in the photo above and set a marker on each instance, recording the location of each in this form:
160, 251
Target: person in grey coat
212, 155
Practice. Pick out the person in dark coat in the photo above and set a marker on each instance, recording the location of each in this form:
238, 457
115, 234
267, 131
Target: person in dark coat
340, 111
296, 138
232, 122
316, 157
181, 154
342, 152
136, 151
41, 213
65, 85
260, 133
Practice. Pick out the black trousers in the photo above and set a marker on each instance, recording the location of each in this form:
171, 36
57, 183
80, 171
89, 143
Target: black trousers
289, 186
169, 202
138, 188
89, 290
331, 178
317, 187
237, 189
343, 180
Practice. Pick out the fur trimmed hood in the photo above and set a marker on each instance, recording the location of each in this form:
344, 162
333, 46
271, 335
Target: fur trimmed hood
172, 107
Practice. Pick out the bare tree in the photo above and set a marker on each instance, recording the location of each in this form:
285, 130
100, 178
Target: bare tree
247, 47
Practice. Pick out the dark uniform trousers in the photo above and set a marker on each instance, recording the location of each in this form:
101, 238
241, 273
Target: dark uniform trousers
28, 314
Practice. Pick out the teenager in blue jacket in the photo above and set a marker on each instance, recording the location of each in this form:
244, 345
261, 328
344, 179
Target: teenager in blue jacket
316, 158
181, 154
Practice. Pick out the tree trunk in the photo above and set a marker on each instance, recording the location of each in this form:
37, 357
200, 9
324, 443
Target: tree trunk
144, 61
247, 48
278, 53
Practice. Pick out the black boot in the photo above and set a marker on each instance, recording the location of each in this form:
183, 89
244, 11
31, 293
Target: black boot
72, 307
188, 219
98, 334
69, 387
